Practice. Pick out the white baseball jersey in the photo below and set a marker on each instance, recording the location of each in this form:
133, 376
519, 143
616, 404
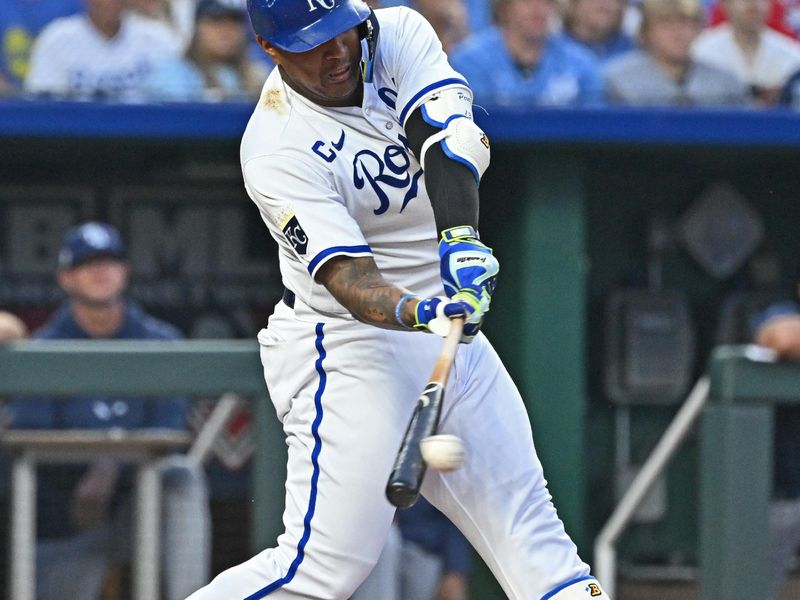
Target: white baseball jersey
342, 181
72, 58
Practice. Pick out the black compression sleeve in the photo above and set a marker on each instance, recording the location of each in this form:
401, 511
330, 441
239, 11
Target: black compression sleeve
450, 184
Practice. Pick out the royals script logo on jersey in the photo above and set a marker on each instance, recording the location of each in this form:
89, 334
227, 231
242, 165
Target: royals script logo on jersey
378, 170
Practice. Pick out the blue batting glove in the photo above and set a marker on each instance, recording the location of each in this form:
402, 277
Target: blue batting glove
468, 268
433, 315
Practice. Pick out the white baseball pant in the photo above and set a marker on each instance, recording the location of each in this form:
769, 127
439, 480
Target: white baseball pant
344, 392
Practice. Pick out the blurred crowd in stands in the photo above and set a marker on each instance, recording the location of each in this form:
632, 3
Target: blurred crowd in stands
513, 52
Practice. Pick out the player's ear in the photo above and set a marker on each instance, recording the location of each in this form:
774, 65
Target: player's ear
269, 49
64, 278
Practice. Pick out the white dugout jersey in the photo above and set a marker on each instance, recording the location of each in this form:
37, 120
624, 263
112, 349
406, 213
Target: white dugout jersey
342, 181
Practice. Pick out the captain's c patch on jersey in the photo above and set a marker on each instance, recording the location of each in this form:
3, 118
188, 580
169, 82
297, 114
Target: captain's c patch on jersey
294, 233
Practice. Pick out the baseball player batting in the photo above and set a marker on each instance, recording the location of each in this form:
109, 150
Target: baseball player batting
364, 162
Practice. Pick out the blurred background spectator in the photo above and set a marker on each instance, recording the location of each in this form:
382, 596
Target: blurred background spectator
178, 15
104, 53
20, 23
448, 18
478, 11
11, 327
597, 25
663, 71
782, 16
425, 558
521, 61
778, 328
760, 56
216, 65
83, 511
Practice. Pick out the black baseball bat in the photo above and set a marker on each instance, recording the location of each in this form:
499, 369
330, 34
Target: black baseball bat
402, 489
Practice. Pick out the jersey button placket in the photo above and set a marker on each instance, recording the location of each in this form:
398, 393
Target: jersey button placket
376, 117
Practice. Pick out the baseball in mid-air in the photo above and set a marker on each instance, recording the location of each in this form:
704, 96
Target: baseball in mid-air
443, 452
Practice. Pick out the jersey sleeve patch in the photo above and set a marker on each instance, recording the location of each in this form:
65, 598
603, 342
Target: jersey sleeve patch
294, 232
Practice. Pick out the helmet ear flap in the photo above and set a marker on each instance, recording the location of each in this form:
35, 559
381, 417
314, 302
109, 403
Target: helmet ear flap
368, 32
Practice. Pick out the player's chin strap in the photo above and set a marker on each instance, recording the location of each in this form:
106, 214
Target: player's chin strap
369, 31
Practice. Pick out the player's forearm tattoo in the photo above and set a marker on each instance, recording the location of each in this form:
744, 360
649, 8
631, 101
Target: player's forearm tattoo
358, 285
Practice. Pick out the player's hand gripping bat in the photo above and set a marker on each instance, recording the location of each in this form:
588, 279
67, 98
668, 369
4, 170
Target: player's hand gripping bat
402, 489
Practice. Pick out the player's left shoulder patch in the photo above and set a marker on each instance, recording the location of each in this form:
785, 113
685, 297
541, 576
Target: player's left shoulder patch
294, 232
594, 590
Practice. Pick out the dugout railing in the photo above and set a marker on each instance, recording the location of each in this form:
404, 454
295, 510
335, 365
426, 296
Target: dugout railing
735, 405
194, 368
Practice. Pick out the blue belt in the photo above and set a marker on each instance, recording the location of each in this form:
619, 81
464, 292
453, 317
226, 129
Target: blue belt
288, 297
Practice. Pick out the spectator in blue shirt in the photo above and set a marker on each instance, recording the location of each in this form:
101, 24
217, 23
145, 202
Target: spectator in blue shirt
521, 62
425, 558
597, 26
20, 23
83, 511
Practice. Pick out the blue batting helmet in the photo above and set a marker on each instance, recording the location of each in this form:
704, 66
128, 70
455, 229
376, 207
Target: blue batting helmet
302, 25
88, 241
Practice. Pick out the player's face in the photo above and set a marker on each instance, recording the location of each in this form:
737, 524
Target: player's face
329, 73
98, 282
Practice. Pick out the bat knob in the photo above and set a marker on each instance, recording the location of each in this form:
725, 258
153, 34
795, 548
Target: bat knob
401, 496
